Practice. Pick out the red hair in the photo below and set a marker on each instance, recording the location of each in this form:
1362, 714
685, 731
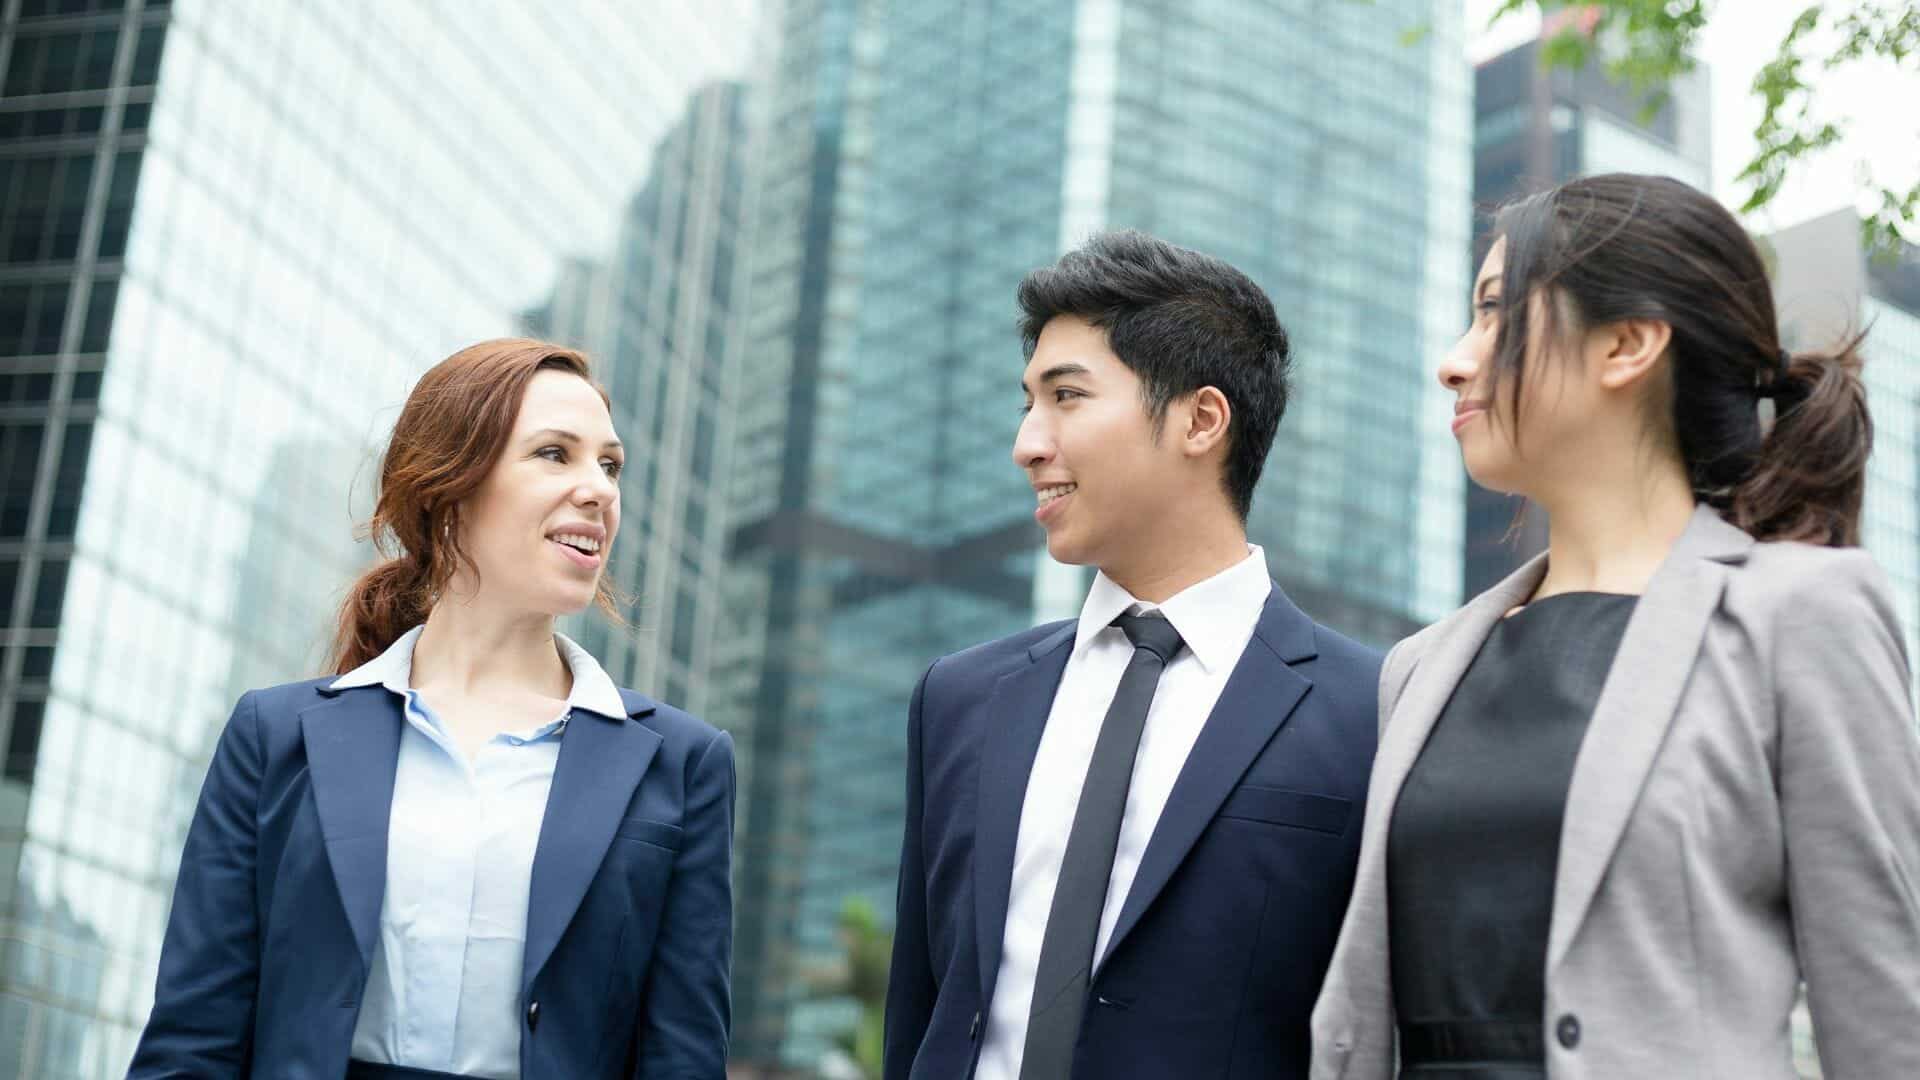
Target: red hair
450, 433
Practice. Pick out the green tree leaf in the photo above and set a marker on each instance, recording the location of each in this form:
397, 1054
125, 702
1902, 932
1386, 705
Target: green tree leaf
1647, 44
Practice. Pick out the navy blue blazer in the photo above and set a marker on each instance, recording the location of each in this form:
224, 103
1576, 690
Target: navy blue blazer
1228, 929
277, 906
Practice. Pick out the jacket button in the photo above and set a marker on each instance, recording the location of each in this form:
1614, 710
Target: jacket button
1568, 1031
973, 1029
533, 1015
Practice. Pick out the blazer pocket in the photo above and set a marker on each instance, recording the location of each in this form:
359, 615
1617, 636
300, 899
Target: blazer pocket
1279, 806
657, 833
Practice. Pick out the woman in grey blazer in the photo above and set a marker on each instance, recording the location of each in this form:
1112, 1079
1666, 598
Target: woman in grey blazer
1629, 798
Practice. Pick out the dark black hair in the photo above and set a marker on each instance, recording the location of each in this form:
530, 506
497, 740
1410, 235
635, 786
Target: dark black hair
1615, 247
1180, 321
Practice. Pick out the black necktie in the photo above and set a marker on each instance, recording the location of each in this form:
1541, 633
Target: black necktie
1080, 897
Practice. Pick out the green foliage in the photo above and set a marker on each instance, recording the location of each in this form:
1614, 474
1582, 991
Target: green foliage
1650, 42
868, 951
1658, 35
1790, 130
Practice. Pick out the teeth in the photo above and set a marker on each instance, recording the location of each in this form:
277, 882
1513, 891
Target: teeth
1047, 495
585, 543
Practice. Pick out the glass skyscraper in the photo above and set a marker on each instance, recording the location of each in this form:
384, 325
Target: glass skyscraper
232, 236
921, 157
663, 321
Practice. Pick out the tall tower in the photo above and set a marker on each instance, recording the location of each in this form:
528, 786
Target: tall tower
663, 318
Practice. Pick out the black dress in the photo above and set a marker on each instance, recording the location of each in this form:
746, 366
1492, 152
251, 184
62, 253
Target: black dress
1475, 839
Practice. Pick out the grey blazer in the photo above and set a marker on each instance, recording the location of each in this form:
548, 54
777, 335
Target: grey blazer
1744, 813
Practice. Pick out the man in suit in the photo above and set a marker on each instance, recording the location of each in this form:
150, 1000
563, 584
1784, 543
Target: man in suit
1130, 837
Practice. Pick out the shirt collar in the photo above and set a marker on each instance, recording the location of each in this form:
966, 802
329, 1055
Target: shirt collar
1215, 617
593, 689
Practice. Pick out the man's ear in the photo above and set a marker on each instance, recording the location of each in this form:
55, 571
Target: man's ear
1206, 421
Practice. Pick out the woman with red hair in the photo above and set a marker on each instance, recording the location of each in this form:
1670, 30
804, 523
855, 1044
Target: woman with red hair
467, 853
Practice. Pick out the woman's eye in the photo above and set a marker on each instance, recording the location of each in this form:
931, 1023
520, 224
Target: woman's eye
1062, 395
613, 468
553, 453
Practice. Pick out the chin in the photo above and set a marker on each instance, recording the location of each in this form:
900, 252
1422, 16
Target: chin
569, 602
1064, 550
1492, 475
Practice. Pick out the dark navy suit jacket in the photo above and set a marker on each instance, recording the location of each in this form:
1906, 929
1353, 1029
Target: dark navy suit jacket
1228, 928
277, 906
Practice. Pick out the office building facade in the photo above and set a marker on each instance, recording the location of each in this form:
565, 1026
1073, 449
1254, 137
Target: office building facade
233, 235
663, 319
921, 158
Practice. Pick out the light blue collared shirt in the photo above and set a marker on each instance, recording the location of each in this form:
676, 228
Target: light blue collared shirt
444, 989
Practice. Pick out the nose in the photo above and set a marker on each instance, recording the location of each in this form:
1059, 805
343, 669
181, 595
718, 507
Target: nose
596, 488
1033, 443
1460, 366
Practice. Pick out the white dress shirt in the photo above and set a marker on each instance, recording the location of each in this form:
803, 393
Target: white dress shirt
1216, 618
444, 989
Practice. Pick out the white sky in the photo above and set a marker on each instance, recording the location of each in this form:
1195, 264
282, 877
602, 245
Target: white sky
1880, 105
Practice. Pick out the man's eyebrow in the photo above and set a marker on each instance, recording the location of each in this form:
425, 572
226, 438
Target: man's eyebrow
1056, 372
567, 436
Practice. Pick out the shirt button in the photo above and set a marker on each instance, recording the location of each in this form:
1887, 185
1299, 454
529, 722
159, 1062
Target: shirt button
1568, 1031
533, 1015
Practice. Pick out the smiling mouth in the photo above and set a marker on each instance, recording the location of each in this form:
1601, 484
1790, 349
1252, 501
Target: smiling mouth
583, 551
1049, 495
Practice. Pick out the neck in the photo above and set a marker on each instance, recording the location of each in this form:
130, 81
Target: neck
469, 646
1612, 531
1195, 549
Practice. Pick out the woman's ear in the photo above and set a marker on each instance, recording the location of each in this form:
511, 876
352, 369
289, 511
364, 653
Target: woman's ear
1631, 349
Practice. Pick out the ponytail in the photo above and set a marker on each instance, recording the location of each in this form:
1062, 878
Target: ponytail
1809, 478
1620, 247
384, 603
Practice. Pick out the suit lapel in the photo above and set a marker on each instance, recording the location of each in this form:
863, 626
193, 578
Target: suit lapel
353, 748
1449, 647
1016, 715
601, 763
1259, 697
1430, 686
1636, 706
